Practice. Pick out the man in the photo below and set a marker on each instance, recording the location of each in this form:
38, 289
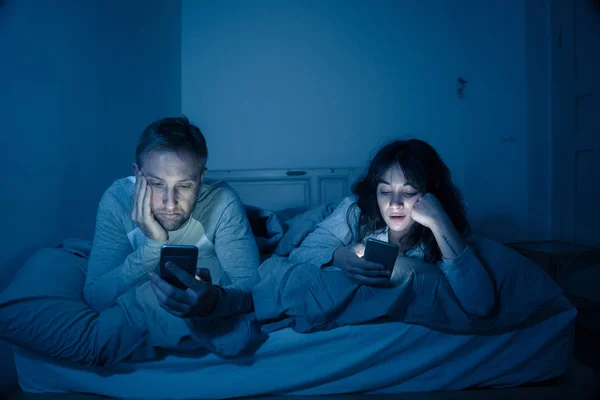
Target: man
168, 202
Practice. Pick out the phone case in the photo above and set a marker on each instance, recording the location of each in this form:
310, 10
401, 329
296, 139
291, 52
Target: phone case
381, 252
186, 257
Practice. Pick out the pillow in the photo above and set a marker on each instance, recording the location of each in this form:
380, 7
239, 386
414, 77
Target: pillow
43, 310
287, 214
300, 226
266, 228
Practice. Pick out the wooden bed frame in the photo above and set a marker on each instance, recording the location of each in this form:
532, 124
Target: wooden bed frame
278, 189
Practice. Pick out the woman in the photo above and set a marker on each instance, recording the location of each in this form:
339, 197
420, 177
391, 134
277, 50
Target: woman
408, 199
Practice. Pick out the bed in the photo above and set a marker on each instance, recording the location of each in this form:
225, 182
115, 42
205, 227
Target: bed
404, 358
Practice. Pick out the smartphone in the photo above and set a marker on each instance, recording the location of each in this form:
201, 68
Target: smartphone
186, 257
381, 252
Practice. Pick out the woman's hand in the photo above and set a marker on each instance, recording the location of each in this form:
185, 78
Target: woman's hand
349, 259
428, 211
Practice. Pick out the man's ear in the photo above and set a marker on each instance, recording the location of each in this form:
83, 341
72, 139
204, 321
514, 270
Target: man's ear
135, 168
204, 169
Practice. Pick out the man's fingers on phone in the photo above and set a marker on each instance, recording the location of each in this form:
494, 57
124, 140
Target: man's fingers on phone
184, 277
374, 273
203, 274
367, 265
357, 271
167, 302
168, 290
364, 280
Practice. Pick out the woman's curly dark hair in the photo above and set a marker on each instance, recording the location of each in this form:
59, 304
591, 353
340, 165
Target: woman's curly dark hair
424, 169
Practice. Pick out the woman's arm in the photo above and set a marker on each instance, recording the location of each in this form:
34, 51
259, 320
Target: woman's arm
470, 282
450, 242
330, 244
332, 233
467, 276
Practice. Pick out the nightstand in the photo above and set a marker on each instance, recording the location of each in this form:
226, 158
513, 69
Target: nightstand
558, 258
576, 269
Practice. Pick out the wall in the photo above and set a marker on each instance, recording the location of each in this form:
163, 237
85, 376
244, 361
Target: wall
539, 96
494, 118
78, 83
323, 84
307, 83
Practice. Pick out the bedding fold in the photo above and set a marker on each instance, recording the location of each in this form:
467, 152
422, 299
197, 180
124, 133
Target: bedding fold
309, 298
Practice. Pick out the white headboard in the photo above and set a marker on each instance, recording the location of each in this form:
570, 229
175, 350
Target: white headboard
277, 189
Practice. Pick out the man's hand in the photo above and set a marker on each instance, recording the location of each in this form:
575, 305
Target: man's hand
349, 259
199, 300
141, 211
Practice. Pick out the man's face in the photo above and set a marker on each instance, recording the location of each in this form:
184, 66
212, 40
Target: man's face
174, 179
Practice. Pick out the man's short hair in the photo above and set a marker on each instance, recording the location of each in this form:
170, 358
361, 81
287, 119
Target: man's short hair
171, 134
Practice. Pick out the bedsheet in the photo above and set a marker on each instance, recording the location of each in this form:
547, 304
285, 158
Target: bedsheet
382, 357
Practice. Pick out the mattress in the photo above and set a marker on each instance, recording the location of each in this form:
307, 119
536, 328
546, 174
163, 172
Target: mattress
384, 357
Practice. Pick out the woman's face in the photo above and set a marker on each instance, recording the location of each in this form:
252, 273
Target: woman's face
396, 198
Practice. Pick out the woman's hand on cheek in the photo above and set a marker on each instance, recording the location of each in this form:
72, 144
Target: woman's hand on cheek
427, 211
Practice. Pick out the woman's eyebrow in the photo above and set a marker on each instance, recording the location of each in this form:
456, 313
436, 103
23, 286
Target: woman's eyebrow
387, 183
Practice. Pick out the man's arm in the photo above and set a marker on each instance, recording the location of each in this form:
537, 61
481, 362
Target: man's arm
114, 268
235, 246
238, 255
